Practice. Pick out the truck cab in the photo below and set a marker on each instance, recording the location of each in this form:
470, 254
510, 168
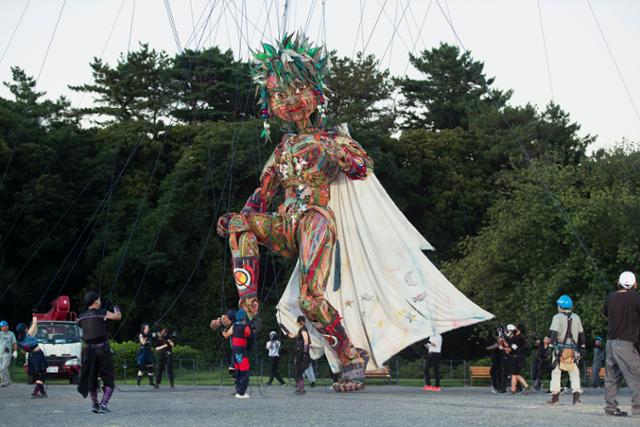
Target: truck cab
61, 342
60, 338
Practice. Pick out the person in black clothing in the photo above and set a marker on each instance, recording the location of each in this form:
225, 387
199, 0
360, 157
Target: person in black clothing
517, 359
144, 357
622, 309
165, 350
541, 363
302, 358
498, 379
97, 360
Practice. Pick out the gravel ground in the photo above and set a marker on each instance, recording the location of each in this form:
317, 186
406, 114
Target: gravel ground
277, 406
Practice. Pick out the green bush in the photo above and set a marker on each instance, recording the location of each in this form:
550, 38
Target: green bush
125, 352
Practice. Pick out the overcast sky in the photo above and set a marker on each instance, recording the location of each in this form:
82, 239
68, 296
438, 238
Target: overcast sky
505, 34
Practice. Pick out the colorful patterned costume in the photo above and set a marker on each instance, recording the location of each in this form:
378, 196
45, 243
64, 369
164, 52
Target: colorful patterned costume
305, 165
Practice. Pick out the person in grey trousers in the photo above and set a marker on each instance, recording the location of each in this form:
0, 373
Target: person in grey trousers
598, 362
622, 309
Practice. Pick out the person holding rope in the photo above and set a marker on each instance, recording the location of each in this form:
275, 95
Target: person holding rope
97, 358
302, 357
566, 335
144, 357
241, 333
622, 309
36, 360
165, 350
273, 347
226, 321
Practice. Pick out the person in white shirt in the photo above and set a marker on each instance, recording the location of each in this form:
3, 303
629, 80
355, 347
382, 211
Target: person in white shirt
434, 347
273, 346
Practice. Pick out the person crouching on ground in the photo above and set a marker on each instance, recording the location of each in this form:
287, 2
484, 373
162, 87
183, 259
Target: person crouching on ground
36, 361
8, 349
165, 350
97, 359
434, 347
144, 357
240, 334
567, 338
273, 347
622, 309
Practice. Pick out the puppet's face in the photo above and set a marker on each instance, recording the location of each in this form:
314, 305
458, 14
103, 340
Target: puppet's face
295, 102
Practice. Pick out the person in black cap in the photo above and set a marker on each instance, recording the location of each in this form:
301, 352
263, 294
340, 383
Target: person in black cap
97, 361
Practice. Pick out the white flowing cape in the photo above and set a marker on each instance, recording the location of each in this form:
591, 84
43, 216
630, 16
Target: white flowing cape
387, 291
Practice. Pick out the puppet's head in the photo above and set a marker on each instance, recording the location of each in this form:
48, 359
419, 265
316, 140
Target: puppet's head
290, 78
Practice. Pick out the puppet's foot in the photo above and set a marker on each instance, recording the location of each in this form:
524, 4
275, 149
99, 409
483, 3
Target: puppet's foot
250, 306
353, 371
346, 386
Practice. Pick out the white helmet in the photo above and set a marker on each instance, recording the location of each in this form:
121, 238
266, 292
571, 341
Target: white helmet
627, 280
510, 327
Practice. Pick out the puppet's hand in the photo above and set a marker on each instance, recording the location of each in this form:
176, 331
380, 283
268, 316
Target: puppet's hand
222, 226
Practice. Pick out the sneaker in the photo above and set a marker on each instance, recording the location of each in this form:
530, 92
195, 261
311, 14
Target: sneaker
104, 409
95, 408
4, 385
555, 399
435, 388
242, 396
616, 413
427, 388
576, 398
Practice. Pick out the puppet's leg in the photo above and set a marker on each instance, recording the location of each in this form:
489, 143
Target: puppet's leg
246, 232
316, 238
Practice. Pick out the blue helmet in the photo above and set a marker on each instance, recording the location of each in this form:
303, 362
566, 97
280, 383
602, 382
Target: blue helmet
599, 338
21, 328
565, 302
3, 324
240, 315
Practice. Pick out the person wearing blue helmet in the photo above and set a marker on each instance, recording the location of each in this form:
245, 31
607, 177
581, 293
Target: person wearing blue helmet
566, 335
598, 361
8, 348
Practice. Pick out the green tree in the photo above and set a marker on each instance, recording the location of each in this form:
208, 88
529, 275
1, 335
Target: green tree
454, 87
212, 85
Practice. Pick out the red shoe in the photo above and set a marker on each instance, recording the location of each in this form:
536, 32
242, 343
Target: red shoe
427, 388
435, 388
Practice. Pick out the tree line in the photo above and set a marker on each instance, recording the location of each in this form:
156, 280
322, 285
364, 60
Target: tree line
122, 196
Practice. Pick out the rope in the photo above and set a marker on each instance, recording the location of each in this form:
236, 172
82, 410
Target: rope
42, 64
546, 53
555, 201
33, 255
15, 30
613, 59
133, 12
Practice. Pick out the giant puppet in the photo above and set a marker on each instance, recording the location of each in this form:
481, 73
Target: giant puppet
361, 278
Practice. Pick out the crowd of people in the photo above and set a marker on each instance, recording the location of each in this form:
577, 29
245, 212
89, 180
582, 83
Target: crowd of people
565, 345
559, 351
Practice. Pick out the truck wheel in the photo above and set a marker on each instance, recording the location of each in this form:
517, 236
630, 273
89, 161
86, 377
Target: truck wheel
75, 378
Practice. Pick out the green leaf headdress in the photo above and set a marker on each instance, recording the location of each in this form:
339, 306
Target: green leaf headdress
292, 59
